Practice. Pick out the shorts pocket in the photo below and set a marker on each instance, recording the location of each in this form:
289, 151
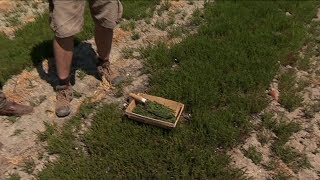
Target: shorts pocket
120, 11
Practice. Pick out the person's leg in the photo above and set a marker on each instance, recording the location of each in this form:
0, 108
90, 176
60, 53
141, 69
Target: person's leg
66, 20
63, 53
106, 14
103, 37
9, 108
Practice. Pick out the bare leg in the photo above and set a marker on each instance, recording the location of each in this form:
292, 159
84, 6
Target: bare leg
63, 52
103, 38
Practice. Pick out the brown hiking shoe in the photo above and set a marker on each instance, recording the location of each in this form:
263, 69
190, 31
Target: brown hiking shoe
15, 109
64, 97
104, 70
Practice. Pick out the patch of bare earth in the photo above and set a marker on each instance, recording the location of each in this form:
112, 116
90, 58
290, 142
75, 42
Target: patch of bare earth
19, 144
303, 145
14, 14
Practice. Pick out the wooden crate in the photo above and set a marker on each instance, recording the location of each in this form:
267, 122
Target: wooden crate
175, 106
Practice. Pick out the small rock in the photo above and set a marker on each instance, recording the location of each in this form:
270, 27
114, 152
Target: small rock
289, 67
288, 14
136, 54
274, 93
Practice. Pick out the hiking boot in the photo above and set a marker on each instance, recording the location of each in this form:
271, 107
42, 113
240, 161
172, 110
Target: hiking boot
104, 70
64, 97
15, 109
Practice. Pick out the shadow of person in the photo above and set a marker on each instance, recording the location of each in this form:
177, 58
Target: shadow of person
84, 59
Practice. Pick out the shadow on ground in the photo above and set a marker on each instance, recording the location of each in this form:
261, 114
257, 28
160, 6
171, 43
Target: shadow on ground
84, 59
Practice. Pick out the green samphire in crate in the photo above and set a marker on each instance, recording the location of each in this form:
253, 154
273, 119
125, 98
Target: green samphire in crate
153, 109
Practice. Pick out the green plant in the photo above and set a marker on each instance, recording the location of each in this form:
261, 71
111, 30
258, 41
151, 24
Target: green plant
81, 74
177, 31
13, 20
17, 132
14, 176
317, 72
289, 98
268, 121
311, 110
26, 50
148, 20
253, 154
303, 64
183, 15
197, 18
127, 53
77, 94
37, 100
290, 60
136, 9
29, 166
284, 131
12, 119
128, 25
281, 176
264, 136
135, 35
163, 24
292, 158
156, 111
44, 136
272, 165
223, 72
190, 2
165, 6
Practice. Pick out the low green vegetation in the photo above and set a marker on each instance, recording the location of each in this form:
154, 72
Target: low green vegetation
12, 119
156, 111
311, 110
253, 154
283, 129
165, 6
33, 43
290, 97
221, 77
178, 31
14, 176
128, 25
135, 36
281, 176
29, 166
291, 157
164, 24
127, 53
17, 132
137, 9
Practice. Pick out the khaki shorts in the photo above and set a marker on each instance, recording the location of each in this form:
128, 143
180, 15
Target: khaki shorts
67, 16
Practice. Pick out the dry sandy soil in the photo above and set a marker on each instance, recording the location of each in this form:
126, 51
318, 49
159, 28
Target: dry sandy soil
305, 142
18, 136
15, 13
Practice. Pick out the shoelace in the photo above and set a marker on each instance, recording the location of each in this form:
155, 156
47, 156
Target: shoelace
64, 95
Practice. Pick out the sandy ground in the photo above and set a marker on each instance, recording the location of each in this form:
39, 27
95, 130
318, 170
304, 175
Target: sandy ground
306, 141
18, 136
